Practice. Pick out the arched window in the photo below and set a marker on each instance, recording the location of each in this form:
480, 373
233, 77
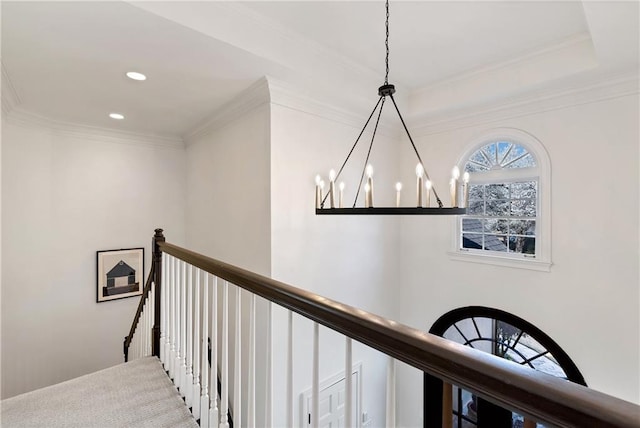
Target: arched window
502, 334
507, 220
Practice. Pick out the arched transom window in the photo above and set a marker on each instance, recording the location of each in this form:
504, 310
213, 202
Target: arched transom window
500, 155
506, 336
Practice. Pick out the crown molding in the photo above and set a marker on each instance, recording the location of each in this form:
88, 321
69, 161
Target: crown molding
599, 89
508, 79
269, 90
512, 63
21, 117
249, 99
10, 98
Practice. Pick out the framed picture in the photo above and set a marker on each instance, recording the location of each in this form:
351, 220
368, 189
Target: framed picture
120, 274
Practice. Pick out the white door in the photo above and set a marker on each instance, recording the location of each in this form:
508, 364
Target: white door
332, 404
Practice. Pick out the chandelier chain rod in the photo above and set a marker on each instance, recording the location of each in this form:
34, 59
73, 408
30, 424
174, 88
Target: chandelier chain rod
386, 44
415, 149
354, 146
366, 161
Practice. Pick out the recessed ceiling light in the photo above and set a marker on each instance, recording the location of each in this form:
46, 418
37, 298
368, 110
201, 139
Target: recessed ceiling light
117, 116
136, 76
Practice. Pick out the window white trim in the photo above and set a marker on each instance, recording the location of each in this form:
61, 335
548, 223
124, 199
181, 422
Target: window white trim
541, 173
479, 256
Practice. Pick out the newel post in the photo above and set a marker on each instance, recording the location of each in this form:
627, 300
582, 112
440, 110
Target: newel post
157, 264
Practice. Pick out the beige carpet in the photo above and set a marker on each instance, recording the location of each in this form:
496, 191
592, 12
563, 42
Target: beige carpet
135, 394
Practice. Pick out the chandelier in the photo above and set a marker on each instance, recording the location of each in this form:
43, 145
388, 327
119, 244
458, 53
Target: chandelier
332, 202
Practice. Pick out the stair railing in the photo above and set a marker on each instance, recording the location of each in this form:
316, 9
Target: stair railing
185, 280
139, 342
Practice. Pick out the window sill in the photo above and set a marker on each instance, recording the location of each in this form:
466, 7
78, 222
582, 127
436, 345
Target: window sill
490, 259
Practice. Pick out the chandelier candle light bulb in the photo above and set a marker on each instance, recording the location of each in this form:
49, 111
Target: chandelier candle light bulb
465, 190
419, 174
455, 175
398, 189
427, 198
341, 196
370, 183
367, 196
332, 189
318, 192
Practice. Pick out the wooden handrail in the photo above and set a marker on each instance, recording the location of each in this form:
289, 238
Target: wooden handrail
136, 318
529, 392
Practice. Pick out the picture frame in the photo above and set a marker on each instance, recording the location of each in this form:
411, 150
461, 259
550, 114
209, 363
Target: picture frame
120, 274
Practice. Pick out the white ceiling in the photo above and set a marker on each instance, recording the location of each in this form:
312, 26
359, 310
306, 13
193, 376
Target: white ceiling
430, 40
66, 60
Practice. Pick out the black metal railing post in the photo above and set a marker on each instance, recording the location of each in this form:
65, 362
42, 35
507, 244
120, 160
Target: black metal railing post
157, 262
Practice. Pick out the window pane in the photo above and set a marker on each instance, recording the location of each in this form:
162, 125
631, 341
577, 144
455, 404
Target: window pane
495, 242
522, 244
497, 191
496, 225
504, 149
472, 240
522, 227
490, 152
524, 190
479, 161
518, 157
476, 207
497, 208
476, 192
452, 334
523, 162
522, 208
472, 225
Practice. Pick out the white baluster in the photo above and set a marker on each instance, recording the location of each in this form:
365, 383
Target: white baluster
151, 316
166, 308
166, 277
178, 289
315, 382
289, 403
268, 385
183, 330
140, 337
224, 397
237, 372
145, 332
148, 330
188, 388
391, 393
172, 322
143, 328
196, 348
348, 384
251, 381
163, 290
214, 413
135, 344
151, 319
204, 397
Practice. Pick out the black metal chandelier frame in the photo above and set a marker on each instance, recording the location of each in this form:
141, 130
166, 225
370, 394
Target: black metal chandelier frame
384, 91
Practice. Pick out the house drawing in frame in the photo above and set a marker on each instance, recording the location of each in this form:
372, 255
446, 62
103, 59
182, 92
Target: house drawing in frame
120, 273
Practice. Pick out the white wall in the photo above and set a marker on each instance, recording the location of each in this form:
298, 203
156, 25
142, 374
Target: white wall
228, 218
349, 259
589, 302
64, 197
